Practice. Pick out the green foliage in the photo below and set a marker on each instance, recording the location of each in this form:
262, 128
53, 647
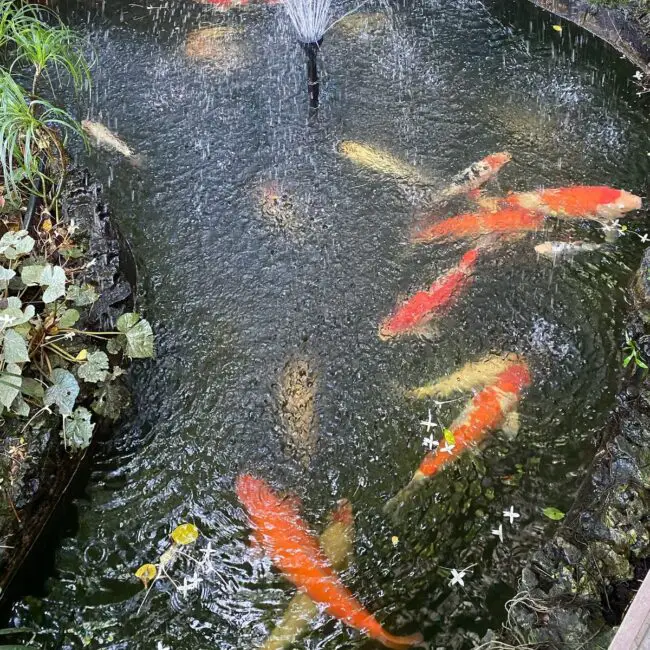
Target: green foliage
38, 45
553, 513
632, 353
43, 364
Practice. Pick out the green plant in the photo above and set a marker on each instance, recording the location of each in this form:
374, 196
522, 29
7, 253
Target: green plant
32, 128
45, 361
632, 353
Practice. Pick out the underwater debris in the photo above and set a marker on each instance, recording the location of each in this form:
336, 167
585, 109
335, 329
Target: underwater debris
295, 551
473, 375
413, 314
336, 541
296, 397
277, 207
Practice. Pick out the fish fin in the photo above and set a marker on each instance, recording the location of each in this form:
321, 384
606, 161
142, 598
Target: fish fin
394, 504
138, 160
511, 424
400, 642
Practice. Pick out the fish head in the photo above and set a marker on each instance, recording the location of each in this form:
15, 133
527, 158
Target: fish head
387, 330
627, 202
254, 494
497, 160
545, 249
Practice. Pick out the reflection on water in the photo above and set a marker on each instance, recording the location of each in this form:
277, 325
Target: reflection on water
233, 298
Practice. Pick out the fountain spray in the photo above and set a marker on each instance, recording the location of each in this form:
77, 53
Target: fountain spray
310, 19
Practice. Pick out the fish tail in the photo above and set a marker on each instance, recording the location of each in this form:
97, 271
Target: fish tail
137, 160
468, 260
414, 485
399, 642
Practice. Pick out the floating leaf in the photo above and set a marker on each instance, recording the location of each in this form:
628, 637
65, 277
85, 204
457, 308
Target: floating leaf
63, 392
15, 244
53, 278
558, 28
31, 275
146, 573
10, 383
95, 369
47, 225
116, 344
82, 355
82, 296
20, 407
185, 534
139, 335
449, 436
78, 429
553, 513
395, 540
14, 348
5, 276
68, 318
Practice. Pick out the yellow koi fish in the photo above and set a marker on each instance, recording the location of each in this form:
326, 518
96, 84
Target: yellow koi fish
472, 376
379, 161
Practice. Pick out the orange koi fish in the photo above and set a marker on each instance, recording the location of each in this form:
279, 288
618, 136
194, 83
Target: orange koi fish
477, 224
475, 175
597, 202
494, 407
421, 307
281, 532
225, 5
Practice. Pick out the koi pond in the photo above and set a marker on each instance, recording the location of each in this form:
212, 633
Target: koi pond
269, 261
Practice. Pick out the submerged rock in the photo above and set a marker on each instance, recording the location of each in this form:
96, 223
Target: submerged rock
296, 397
278, 209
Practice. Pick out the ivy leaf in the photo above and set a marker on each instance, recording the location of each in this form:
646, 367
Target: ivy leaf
20, 407
32, 388
642, 364
626, 361
31, 275
116, 345
14, 348
53, 278
78, 429
139, 336
5, 276
185, 534
68, 318
10, 382
82, 296
553, 513
110, 400
95, 369
15, 244
63, 392
13, 315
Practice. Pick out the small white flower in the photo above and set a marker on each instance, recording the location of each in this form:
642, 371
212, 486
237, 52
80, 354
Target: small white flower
206, 562
457, 577
606, 227
644, 238
69, 336
189, 585
72, 228
616, 223
498, 532
511, 514
638, 75
430, 442
428, 423
160, 646
447, 449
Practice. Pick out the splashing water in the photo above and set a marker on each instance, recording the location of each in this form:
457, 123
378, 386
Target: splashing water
310, 18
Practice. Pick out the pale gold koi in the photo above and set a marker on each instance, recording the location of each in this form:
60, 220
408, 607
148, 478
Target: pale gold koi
379, 161
106, 139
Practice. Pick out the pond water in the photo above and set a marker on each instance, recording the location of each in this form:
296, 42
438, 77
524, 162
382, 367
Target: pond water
231, 298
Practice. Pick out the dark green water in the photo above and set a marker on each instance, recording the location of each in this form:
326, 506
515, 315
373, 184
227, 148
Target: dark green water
231, 299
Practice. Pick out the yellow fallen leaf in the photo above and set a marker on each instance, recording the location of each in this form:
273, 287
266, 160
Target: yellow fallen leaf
146, 573
82, 356
47, 225
185, 534
558, 28
395, 540
449, 436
